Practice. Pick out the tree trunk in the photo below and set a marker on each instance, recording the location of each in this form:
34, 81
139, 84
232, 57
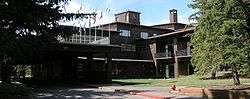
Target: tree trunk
235, 76
213, 75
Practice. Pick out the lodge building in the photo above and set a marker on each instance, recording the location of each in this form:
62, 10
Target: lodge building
162, 51
121, 49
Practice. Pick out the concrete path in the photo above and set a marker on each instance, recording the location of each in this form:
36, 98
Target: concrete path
151, 92
106, 92
81, 93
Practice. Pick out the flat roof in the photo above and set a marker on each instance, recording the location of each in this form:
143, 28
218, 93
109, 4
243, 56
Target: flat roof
136, 25
121, 60
128, 12
168, 24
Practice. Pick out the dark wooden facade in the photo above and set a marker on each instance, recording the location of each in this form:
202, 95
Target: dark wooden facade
172, 53
132, 56
63, 64
143, 55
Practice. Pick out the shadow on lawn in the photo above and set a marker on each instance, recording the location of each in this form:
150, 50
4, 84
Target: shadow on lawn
227, 94
129, 83
224, 76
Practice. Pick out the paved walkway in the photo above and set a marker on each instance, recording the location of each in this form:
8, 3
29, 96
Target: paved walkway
81, 93
107, 92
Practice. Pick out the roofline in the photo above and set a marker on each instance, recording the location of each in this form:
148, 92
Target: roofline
120, 60
168, 24
127, 11
136, 25
172, 33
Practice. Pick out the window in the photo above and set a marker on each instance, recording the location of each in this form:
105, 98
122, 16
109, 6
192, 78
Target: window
144, 35
125, 33
128, 47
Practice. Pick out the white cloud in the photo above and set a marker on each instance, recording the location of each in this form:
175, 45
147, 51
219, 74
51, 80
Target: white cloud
84, 7
115, 6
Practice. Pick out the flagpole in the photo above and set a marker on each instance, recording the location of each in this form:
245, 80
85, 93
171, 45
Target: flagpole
84, 34
89, 30
95, 33
102, 29
80, 30
109, 26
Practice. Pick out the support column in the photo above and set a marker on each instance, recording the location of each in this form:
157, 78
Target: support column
153, 52
176, 65
89, 71
68, 68
89, 62
108, 67
188, 49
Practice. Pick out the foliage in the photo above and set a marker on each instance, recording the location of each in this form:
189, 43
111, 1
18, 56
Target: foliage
28, 27
221, 37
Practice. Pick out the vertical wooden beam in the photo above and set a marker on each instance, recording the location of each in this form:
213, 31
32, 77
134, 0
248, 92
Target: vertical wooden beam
153, 52
188, 49
176, 65
166, 50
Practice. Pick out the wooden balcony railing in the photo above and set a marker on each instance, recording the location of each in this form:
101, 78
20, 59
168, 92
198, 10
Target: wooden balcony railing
179, 53
163, 55
183, 53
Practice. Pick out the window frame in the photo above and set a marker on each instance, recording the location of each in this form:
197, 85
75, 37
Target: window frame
142, 35
125, 33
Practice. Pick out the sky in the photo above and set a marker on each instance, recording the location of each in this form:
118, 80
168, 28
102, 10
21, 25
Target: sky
152, 11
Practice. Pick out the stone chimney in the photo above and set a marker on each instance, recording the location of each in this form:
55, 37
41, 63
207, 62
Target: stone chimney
128, 17
173, 16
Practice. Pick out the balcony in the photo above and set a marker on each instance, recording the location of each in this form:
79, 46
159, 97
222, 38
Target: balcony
179, 54
183, 53
163, 55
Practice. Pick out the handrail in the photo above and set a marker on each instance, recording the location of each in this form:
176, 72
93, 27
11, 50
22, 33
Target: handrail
163, 55
169, 55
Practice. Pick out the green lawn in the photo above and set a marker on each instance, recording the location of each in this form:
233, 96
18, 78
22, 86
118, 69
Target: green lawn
189, 81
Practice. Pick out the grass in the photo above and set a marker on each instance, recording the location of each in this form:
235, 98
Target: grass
189, 81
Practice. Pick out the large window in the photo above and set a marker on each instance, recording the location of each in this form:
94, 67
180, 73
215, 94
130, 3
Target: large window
128, 47
144, 35
125, 33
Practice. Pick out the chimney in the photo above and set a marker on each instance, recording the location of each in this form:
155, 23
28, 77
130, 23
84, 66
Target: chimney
128, 17
173, 16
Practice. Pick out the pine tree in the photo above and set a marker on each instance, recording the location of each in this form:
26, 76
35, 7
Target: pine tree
26, 29
221, 37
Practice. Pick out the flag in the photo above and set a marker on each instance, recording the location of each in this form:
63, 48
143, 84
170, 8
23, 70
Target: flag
84, 27
107, 10
101, 16
89, 22
94, 18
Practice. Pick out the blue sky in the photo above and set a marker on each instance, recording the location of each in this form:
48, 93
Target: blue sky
152, 11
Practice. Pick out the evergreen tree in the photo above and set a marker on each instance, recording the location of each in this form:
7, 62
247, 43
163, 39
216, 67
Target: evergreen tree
221, 37
27, 27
